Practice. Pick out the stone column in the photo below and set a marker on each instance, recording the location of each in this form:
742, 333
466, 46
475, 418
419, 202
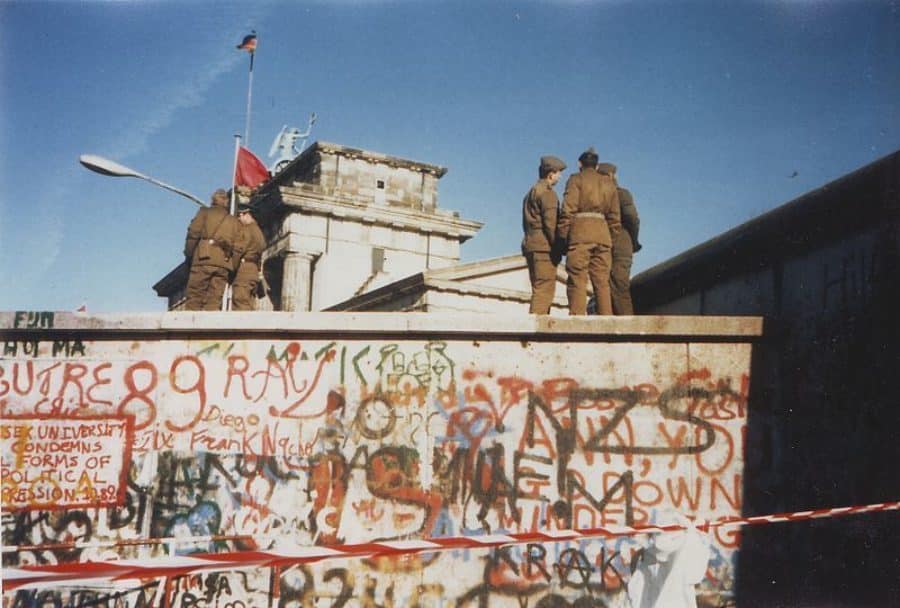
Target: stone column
296, 282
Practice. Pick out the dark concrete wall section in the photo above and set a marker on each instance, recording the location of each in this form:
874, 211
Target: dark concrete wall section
823, 431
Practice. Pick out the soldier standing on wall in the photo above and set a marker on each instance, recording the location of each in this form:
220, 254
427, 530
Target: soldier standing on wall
210, 247
588, 222
625, 245
539, 213
247, 274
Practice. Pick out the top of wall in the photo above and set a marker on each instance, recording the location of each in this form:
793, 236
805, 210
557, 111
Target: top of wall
865, 198
30, 325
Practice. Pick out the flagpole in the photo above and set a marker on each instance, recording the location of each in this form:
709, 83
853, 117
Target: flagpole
249, 100
226, 295
237, 148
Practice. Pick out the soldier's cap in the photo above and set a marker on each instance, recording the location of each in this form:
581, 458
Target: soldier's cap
552, 163
589, 154
608, 168
220, 195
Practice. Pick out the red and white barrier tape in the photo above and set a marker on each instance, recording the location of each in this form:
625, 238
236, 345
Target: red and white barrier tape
45, 575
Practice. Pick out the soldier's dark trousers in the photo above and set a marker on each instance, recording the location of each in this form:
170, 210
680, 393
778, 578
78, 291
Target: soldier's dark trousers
620, 274
585, 260
542, 274
205, 287
243, 289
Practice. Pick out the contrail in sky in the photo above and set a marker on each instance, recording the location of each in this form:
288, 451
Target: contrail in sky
48, 211
182, 96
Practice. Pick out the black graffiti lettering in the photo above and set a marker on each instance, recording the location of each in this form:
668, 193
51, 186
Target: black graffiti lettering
534, 557
573, 561
29, 348
375, 418
498, 485
503, 555
625, 484
32, 319
523, 472
347, 583
296, 587
565, 434
37, 599
607, 566
68, 348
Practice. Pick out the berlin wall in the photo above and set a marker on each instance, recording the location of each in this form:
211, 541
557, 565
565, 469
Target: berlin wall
149, 437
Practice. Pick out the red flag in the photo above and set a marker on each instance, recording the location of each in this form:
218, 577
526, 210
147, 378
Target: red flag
250, 171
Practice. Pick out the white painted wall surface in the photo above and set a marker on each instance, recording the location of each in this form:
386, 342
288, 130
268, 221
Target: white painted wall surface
298, 430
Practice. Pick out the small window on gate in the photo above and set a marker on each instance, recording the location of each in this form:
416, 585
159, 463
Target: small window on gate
377, 259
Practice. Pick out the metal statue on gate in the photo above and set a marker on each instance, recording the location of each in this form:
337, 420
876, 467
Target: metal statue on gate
285, 144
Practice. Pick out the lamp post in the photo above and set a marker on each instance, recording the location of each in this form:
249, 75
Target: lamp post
104, 166
110, 168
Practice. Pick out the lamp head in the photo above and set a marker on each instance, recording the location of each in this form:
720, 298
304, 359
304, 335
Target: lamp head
104, 166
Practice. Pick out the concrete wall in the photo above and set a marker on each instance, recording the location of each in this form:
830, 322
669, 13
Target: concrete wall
342, 428
824, 270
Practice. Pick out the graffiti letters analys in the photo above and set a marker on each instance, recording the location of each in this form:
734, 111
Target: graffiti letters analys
139, 450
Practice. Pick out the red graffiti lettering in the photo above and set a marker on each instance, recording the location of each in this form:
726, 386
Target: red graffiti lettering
237, 366
98, 381
141, 395
199, 387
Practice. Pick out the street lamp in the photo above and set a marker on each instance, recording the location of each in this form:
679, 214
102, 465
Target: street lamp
104, 166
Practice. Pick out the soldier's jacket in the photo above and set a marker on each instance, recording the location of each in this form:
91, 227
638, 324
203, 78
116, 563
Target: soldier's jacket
212, 238
630, 220
251, 243
539, 212
589, 193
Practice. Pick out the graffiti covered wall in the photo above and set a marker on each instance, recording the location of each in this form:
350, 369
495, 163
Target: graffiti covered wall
119, 445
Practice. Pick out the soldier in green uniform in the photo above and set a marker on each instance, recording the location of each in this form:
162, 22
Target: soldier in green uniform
588, 222
625, 245
210, 248
539, 212
246, 278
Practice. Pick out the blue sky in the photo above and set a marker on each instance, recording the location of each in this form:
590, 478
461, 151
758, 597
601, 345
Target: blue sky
708, 109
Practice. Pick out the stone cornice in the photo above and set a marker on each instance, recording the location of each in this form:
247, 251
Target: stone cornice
317, 203
325, 147
287, 244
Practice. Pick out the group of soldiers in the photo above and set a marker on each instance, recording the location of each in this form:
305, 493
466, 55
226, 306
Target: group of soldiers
222, 248
596, 229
